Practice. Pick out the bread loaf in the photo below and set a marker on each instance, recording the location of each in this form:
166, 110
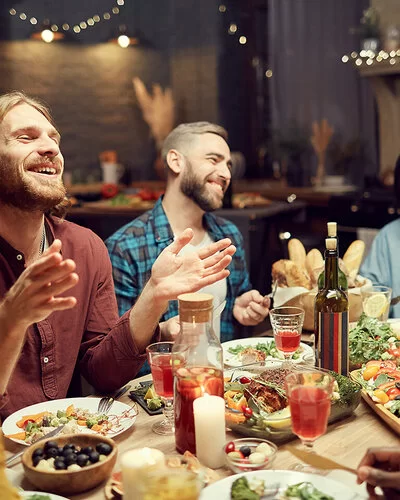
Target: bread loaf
314, 265
353, 257
297, 252
288, 273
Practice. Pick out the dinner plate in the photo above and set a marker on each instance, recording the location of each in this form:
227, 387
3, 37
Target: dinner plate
28, 494
222, 489
118, 409
233, 360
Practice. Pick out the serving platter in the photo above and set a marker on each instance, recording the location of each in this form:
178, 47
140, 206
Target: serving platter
386, 415
233, 360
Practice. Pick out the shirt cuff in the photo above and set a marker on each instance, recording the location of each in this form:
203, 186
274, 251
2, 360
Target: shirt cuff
129, 344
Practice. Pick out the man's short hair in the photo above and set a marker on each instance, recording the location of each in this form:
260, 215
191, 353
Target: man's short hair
12, 99
183, 134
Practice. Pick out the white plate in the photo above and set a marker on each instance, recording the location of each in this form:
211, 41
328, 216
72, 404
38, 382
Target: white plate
222, 489
10, 423
52, 496
233, 360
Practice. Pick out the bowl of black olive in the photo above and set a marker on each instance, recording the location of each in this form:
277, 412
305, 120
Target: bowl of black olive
69, 464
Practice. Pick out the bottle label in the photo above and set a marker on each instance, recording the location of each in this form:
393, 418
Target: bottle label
333, 341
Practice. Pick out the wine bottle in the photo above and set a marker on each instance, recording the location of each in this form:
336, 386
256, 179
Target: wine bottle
332, 316
332, 233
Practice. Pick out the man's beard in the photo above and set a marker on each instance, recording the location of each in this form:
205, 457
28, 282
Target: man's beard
196, 190
25, 193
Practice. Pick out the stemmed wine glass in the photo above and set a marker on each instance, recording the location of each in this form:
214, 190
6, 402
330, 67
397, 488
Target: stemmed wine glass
159, 356
309, 393
287, 324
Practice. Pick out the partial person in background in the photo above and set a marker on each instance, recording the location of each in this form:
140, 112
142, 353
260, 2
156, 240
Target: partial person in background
58, 310
381, 467
382, 264
198, 163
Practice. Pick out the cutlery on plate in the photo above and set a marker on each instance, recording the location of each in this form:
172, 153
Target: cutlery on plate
395, 300
54, 432
106, 402
318, 461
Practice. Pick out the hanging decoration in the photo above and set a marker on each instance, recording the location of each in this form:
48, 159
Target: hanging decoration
66, 26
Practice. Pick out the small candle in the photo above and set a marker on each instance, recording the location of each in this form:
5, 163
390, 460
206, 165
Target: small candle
209, 426
134, 464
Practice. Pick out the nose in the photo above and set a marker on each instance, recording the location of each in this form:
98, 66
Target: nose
225, 171
48, 147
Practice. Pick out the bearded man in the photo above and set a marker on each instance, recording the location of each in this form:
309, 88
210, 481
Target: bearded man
58, 311
198, 162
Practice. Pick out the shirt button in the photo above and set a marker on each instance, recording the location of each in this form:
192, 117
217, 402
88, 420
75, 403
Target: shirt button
19, 257
45, 360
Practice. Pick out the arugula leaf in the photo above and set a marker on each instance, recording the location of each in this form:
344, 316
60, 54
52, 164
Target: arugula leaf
369, 339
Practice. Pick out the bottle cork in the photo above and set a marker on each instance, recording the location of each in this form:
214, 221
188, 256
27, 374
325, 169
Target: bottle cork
332, 229
195, 307
331, 243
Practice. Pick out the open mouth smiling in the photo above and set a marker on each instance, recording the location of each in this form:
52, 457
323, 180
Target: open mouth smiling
44, 169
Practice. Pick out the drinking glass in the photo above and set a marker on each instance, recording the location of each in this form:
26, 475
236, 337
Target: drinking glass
287, 323
167, 483
376, 301
159, 356
309, 393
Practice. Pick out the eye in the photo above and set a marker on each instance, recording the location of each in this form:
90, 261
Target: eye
25, 137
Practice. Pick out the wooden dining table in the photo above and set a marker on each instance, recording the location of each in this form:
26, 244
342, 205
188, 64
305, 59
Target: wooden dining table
345, 441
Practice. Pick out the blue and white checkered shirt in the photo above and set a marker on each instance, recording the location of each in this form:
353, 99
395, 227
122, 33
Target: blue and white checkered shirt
134, 248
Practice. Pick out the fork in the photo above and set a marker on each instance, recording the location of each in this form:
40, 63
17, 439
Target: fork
106, 402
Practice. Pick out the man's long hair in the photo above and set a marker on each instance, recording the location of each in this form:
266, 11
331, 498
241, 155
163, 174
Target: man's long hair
12, 99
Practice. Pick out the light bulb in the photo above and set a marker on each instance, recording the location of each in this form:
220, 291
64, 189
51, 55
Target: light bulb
123, 41
47, 36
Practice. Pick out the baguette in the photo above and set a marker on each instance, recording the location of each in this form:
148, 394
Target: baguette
288, 273
314, 265
353, 257
297, 252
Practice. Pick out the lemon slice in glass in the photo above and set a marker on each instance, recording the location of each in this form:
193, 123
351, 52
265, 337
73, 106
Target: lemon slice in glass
375, 305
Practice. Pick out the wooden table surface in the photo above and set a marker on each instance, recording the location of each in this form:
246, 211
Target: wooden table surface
345, 441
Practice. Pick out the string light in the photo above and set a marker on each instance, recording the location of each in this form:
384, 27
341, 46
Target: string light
370, 58
65, 26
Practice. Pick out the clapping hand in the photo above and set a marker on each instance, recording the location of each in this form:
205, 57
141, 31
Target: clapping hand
251, 308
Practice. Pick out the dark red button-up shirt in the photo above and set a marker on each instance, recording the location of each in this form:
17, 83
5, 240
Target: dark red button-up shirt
89, 336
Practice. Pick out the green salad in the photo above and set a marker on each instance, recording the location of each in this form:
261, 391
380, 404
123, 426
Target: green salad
269, 348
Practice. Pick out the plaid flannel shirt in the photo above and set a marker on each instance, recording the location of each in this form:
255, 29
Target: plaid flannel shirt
134, 248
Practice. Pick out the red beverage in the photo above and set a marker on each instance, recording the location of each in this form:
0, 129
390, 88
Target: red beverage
191, 383
287, 340
161, 370
309, 408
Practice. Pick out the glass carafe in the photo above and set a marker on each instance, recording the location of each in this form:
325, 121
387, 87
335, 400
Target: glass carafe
198, 364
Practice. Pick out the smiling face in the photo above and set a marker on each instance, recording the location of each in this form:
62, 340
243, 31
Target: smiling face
31, 163
207, 172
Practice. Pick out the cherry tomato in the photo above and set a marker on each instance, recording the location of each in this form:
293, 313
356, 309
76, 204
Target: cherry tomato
244, 380
393, 392
247, 412
395, 352
109, 190
370, 371
230, 447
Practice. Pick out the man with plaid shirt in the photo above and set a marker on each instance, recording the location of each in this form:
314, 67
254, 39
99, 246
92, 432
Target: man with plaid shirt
198, 164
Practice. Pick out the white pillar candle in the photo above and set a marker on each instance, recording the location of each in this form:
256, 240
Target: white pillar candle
209, 426
134, 464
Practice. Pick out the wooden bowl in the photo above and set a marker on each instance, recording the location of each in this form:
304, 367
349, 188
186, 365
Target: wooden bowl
66, 481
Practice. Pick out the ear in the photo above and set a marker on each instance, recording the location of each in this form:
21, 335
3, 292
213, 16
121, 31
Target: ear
175, 161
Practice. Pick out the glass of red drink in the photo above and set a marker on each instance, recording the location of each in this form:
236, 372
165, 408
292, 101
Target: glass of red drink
159, 356
309, 393
287, 323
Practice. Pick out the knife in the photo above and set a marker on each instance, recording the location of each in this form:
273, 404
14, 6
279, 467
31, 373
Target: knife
54, 432
318, 461
121, 392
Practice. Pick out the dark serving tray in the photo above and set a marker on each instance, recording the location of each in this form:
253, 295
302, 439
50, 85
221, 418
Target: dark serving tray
142, 402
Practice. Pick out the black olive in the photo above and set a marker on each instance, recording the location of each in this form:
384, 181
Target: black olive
397, 385
60, 451
38, 451
245, 450
94, 456
69, 446
71, 458
104, 448
68, 451
51, 452
82, 460
87, 450
59, 464
50, 444
397, 397
36, 459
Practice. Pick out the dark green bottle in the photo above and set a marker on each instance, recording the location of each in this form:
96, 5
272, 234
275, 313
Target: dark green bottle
332, 233
332, 316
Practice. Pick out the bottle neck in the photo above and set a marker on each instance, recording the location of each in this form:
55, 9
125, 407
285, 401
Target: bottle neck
331, 269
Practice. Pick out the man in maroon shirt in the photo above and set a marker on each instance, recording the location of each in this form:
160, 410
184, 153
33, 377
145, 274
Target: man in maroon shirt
58, 309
